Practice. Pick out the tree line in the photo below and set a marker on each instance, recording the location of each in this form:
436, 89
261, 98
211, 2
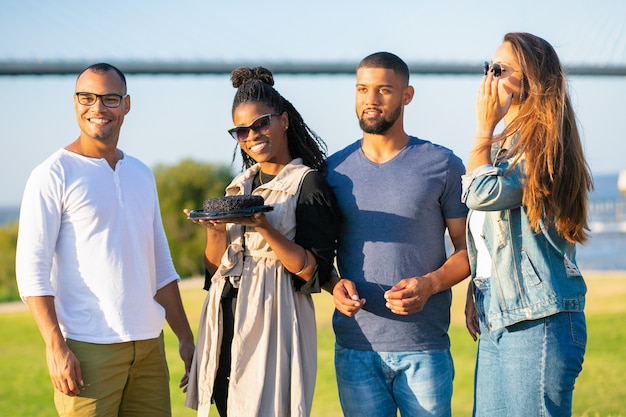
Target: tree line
183, 185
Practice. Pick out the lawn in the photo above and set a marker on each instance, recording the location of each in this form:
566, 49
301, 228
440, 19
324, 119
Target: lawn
25, 389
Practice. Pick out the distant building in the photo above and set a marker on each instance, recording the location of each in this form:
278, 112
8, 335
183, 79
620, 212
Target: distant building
621, 182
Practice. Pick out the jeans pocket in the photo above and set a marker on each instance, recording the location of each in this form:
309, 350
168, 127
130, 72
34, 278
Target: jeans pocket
578, 327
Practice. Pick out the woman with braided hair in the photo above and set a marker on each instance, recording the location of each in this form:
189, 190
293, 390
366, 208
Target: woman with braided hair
256, 353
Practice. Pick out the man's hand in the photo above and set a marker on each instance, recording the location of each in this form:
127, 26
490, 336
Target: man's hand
346, 298
169, 298
409, 295
471, 316
186, 350
63, 365
64, 370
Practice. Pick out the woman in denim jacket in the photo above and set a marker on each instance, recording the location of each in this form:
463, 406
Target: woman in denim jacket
526, 188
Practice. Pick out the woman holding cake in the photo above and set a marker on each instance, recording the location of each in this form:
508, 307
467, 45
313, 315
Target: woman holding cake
257, 349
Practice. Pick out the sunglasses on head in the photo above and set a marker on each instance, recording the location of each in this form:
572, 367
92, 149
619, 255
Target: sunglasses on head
261, 125
495, 68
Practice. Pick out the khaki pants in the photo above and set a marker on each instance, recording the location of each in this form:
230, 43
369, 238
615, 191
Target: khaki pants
121, 379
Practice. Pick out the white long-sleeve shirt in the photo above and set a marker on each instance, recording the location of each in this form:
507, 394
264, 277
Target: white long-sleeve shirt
93, 238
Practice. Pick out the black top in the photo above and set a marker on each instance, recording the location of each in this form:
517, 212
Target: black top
317, 229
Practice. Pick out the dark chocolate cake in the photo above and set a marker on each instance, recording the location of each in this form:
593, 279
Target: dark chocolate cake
232, 202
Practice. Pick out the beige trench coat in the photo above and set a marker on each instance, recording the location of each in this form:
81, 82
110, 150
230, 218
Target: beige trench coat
274, 349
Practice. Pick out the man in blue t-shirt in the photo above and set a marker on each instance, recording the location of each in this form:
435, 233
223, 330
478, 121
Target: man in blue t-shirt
398, 195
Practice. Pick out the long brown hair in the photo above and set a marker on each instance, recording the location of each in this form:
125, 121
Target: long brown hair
558, 178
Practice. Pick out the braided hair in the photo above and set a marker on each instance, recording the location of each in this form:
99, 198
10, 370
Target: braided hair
256, 85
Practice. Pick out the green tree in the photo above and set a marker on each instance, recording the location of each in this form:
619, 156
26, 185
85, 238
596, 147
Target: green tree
8, 243
186, 185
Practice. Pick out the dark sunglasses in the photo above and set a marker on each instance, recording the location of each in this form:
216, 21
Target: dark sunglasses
495, 68
260, 125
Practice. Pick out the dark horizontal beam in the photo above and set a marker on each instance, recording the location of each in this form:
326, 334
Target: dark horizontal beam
135, 67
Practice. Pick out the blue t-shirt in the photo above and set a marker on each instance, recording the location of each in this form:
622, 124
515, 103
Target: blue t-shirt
393, 227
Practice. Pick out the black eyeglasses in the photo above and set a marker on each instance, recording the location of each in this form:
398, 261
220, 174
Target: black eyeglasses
108, 100
260, 125
495, 68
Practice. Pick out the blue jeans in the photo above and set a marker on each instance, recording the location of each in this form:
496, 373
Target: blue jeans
527, 369
377, 384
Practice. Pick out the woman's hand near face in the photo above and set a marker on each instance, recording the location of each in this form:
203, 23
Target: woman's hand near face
489, 112
489, 109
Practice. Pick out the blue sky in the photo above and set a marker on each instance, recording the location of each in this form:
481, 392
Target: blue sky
176, 117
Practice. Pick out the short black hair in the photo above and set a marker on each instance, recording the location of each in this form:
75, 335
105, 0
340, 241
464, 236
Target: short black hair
101, 68
386, 60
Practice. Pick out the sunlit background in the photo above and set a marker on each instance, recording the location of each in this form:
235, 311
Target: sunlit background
186, 116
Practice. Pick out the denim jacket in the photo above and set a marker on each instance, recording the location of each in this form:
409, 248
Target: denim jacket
533, 275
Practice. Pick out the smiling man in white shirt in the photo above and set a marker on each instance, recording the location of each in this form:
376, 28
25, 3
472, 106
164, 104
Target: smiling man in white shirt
94, 266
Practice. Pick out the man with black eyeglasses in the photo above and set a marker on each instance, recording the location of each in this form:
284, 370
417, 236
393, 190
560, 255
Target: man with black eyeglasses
94, 266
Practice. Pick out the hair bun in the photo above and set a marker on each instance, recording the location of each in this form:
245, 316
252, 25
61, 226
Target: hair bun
242, 75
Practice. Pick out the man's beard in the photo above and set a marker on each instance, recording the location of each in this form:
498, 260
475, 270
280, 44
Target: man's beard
382, 125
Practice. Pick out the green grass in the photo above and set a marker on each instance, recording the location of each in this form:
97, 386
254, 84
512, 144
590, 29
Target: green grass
26, 391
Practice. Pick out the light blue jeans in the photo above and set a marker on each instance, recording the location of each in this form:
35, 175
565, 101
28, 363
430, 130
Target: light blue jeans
527, 369
377, 384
